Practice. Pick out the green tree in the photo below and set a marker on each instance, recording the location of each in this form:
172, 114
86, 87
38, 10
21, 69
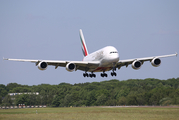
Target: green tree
7, 100
22, 99
0, 100
33, 99
101, 100
132, 99
111, 102
113, 92
56, 101
122, 101
3, 92
68, 100
91, 98
165, 101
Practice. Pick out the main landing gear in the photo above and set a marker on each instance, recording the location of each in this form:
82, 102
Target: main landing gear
89, 75
104, 74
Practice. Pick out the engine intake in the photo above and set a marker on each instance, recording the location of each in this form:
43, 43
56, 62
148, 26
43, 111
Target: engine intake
156, 62
136, 65
42, 65
70, 67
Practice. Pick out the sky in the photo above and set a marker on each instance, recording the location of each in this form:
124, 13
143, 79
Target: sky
49, 29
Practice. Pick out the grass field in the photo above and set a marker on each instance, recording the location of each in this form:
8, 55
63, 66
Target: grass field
92, 113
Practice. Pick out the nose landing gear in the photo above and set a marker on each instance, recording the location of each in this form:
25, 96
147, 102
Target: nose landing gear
114, 69
113, 74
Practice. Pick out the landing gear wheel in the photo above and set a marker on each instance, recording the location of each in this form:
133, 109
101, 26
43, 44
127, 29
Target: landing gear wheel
94, 75
113, 74
90, 75
85, 74
104, 75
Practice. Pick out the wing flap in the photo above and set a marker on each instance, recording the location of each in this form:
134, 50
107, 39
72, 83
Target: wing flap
81, 65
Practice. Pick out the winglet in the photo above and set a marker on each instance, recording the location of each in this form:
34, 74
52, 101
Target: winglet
5, 58
176, 54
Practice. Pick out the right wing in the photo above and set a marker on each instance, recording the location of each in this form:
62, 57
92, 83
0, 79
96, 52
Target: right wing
80, 65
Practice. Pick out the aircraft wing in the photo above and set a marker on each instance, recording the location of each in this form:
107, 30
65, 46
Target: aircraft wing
80, 65
142, 60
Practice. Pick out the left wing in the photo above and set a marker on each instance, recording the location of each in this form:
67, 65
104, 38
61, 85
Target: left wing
137, 62
70, 65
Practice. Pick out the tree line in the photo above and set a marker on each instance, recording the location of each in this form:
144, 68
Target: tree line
106, 93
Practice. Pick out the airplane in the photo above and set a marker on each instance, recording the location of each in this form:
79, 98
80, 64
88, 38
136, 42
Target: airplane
102, 60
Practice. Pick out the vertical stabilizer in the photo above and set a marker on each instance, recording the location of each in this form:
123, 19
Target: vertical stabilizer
83, 44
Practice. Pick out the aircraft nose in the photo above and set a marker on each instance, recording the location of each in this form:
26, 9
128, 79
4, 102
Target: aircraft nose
114, 57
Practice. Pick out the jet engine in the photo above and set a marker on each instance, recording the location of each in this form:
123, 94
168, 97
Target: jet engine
156, 62
136, 65
70, 67
42, 65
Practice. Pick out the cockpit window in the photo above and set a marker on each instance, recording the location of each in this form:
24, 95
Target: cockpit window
113, 52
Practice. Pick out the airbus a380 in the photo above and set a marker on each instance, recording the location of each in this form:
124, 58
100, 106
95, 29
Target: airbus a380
103, 60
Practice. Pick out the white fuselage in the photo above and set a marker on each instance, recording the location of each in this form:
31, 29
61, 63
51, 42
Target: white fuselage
108, 56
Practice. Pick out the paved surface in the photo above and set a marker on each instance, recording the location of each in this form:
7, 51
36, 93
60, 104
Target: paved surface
141, 106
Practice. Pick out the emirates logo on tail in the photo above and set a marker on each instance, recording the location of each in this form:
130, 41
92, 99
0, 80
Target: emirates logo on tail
84, 48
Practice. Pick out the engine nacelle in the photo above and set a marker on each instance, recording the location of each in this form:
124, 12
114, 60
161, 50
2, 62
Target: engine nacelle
156, 62
42, 65
136, 65
70, 67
